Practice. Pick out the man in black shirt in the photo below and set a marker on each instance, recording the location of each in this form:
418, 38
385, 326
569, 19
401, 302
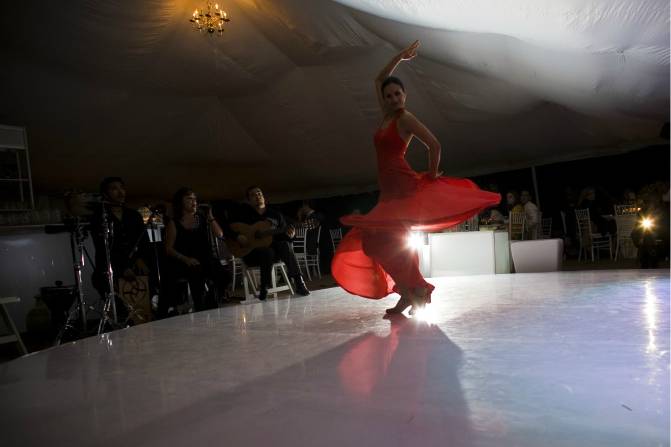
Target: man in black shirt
255, 211
126, 238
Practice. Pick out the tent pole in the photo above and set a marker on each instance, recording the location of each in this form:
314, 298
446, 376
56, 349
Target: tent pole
533, 176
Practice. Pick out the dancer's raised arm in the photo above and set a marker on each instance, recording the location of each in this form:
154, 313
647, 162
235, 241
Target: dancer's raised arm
404, 55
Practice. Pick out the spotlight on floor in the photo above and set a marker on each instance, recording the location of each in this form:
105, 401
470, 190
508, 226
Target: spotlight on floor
425, 314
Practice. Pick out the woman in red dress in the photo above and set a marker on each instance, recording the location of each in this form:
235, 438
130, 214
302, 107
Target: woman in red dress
375, 259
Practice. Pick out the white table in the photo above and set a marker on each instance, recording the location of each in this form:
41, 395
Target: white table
541, 255
468, 253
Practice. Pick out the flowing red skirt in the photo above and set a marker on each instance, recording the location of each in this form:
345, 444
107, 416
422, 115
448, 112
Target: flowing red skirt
374, 255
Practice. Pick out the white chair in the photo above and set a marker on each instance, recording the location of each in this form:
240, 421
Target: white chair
516, 226
626, 210
336, 237
236, 270
312, 255
625, 225
15, 336
546, 228
589, 240
251, 280
298, 245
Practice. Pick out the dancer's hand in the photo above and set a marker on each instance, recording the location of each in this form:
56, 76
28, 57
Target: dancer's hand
410, 52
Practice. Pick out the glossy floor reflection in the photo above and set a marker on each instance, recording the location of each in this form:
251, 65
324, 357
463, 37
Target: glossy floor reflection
556, 359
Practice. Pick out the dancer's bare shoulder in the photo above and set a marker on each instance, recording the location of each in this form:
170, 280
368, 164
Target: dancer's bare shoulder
407, 122
410, 126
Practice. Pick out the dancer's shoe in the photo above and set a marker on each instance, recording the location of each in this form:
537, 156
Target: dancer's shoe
403, 303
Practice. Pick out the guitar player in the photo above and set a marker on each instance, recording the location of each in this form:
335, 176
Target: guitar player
255, 210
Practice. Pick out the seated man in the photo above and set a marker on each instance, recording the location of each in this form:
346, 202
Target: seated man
126, 241
255, 210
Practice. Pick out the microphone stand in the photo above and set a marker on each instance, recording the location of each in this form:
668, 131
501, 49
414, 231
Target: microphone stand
155, 239
109, 313
78, 308
215, 251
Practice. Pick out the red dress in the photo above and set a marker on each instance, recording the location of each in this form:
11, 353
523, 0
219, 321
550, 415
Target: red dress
374, 258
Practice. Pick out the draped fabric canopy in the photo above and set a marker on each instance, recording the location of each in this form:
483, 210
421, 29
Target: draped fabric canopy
285, 99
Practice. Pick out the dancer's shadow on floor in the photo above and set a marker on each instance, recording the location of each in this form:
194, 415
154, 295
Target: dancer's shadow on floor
394, 390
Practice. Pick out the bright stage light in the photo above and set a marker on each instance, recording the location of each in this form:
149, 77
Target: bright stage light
647, 223
415, 240
425, 314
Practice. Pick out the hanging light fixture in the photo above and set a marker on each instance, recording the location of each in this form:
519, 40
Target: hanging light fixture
210, 19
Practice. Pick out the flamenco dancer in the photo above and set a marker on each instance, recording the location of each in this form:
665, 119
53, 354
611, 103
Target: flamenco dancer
374, 259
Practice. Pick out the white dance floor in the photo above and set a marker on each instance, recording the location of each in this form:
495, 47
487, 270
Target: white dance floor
528, 360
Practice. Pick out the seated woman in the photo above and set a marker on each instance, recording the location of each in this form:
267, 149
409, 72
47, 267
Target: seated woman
190, 251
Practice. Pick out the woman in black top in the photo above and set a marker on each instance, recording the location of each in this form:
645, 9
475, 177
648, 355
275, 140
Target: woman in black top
189, 246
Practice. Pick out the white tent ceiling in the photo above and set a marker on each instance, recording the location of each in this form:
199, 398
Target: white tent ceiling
285, 98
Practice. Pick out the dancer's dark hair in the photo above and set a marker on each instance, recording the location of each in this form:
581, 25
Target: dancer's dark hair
392, 80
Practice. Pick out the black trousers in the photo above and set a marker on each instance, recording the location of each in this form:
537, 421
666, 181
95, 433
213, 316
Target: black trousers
265, 257
209, 272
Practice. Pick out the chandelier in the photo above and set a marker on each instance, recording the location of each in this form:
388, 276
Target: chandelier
210, 19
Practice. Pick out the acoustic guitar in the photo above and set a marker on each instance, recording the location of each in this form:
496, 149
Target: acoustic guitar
259, 234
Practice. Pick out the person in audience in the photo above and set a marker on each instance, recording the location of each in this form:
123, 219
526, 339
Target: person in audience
532, 215
255, 210
189, 244
652, 240
126, 241
628, 197
588, 200
495, 215
513, 204
308, 217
